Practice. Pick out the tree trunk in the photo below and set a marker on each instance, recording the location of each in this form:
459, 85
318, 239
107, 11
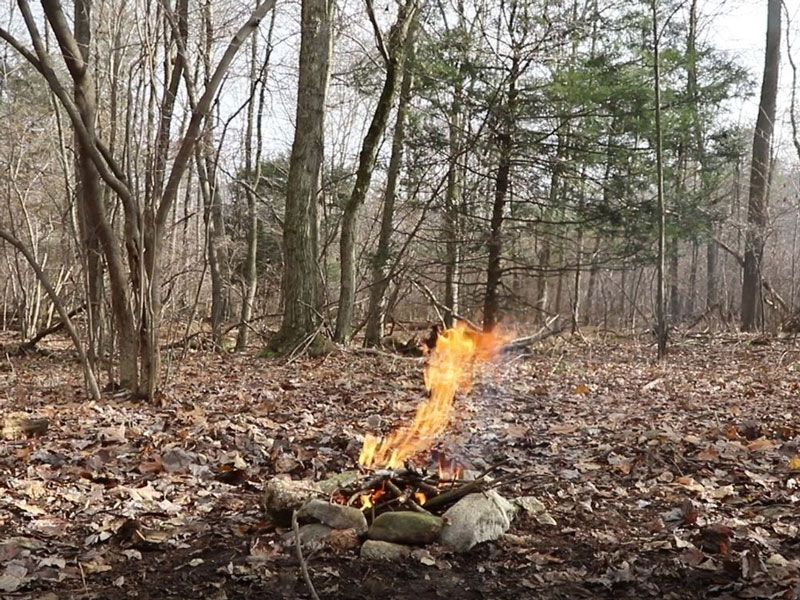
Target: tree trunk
672, 276
380, 273
250, 268
452, 202
661, 317
692, 279
494, 270
752, 308
87, 181
393, 58
712, 253
94, 209
591, 284
301, 282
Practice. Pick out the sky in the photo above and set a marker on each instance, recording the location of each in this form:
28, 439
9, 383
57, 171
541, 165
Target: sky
740, 28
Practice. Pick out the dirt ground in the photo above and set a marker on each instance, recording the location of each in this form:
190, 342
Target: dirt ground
665, 481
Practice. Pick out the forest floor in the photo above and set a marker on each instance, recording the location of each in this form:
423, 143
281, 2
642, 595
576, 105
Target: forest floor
679, 480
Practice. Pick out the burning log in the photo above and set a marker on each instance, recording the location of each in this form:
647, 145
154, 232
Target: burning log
405, 498
455, 494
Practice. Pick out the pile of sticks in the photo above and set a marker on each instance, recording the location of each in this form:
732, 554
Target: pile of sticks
400, 489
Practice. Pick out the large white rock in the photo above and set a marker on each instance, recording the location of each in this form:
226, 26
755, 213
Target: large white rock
476, 518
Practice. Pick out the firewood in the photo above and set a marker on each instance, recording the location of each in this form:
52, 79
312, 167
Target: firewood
455, 494
405, 498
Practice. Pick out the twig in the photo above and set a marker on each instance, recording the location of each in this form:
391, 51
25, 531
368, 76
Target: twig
477, 485
83, 576
303, 566
405, 498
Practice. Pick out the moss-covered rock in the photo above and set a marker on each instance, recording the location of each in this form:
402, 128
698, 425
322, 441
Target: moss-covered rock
406, 527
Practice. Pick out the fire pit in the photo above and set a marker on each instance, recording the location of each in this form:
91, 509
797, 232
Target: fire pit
400, 499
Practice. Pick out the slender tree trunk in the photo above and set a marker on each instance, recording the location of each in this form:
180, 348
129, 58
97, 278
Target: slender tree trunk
692, 279
591, 284
251, 262
94, 209
88, 184
380, 272
672, 276
712, 254
452, 203
494, 270
752, 308
661, 317
393, 57
301, 281
575, 313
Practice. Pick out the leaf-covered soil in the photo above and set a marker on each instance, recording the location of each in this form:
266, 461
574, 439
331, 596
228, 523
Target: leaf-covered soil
673, 481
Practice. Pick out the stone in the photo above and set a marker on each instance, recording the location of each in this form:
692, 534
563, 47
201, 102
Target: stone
476, 518
545, 519
283, 495
406, 527
377, 550
312, 536
335, 515
344, 539
338, 481
530, 504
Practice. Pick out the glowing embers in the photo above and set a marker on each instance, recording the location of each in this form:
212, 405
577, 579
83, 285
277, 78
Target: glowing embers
451, 368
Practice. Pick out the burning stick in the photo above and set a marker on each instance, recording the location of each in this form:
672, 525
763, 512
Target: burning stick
405, 498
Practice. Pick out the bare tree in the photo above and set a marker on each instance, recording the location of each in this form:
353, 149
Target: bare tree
392, 52
301, 281
752, 309
380, 273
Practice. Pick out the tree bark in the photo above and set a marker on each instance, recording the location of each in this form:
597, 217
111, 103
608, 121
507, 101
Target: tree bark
94, 209
87, 181
393, 55
301, 282
661, 317
494, 270
752, 308
380, 272
257, 81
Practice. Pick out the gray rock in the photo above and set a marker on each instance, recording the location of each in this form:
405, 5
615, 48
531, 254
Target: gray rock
377, 550
476, 518
406, 527
285, 495
338, 481
335, 515
530, 504
312, 536
545, 519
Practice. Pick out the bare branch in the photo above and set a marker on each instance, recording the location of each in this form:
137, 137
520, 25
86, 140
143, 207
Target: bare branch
378, 35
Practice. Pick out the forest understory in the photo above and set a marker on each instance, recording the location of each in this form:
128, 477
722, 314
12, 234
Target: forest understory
673, 480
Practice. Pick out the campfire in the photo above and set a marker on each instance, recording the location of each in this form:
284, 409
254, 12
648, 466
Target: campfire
408, 493
458, 354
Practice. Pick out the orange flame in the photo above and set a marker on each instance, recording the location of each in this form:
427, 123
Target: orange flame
449, 469
451, 368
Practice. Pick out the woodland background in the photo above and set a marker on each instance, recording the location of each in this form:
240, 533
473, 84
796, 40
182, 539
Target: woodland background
213, 204
509, 161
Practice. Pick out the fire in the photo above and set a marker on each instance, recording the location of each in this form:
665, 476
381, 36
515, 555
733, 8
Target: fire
451, 368
449, 468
